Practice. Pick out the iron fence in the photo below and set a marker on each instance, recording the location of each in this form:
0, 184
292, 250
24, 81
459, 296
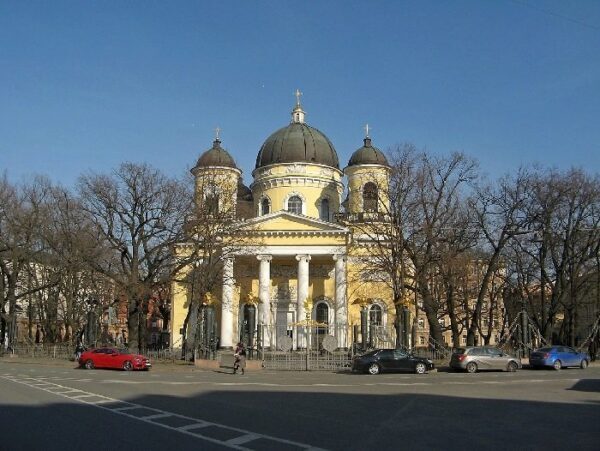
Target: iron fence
64, 351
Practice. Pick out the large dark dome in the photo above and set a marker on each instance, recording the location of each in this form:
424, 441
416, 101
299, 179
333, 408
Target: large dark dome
297, 143
215, 156
368, 154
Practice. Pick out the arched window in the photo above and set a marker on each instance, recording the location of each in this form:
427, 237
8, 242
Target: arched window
211, 199
294, 205
376, 315
370, 197
324, 210
265, 207
322, 313
211, 203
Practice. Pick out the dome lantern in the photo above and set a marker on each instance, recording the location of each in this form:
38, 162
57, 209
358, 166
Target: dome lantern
298, 113
297, 143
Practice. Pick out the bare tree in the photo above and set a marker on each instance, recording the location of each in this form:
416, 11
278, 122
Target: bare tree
22, 216
550, 264
69, 248
139, 213
213, 234
424, 220
497, 210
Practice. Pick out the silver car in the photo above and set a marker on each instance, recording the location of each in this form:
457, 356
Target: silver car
476, 358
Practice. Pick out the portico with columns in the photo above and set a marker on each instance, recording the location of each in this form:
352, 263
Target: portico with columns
285, 279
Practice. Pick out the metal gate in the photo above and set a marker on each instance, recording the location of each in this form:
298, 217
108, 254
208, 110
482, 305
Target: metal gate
297, 347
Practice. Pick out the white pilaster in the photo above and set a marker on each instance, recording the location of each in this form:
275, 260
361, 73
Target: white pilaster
264, 296
341, 306
303, 272
226, 339
302, 284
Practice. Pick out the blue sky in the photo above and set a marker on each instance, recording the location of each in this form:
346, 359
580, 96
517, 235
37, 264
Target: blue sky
86, 85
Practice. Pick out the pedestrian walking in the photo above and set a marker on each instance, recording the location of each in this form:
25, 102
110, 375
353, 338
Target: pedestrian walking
79, 350
239, 358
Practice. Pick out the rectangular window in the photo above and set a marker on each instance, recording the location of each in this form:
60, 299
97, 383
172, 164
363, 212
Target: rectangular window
421, 340
463, 339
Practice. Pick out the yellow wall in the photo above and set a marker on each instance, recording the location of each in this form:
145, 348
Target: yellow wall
358, 176
224, 179
311, 182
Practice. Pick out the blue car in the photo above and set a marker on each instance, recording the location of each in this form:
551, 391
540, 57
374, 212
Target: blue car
558, 357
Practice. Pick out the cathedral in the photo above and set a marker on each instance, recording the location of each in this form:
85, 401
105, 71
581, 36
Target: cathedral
302, 263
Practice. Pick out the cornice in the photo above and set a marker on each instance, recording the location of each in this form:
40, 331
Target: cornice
296, 180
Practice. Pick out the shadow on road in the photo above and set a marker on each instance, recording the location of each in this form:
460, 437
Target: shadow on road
324, 419
587, 385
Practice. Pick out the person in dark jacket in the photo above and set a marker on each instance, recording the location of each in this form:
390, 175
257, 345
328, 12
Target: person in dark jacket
239, 357
79, 350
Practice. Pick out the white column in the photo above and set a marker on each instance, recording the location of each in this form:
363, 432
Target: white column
264, 296
341, 306
226, 340
303, 272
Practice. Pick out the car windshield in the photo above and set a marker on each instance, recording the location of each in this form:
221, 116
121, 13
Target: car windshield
545, 350
459, 351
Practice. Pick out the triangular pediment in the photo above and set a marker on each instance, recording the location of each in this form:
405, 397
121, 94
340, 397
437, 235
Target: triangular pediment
283, 221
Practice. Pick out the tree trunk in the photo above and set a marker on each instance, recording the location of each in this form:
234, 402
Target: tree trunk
453, 319
429, 307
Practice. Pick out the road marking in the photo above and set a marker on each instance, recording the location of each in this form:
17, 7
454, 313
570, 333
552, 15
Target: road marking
122, 409
193, 426
158, 415
194, 429
242, 439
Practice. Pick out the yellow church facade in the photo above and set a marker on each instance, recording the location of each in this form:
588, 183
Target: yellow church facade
299, 264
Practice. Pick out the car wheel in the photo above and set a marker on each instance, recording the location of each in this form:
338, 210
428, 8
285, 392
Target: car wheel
127, 366
584, 364
373, 368
471, 367
89, 364
557, 365
512, 367
420, 368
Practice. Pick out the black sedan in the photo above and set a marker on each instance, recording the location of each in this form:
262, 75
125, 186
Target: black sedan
381, 360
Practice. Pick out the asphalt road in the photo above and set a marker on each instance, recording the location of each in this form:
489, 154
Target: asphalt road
63, 408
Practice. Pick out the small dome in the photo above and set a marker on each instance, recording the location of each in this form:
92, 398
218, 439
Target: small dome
297, 143
243, 192
368, 154
215, 156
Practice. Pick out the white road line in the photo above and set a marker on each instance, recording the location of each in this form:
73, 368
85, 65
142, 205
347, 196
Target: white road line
122, 409
188, 430
193, 426
158, 415
242, 439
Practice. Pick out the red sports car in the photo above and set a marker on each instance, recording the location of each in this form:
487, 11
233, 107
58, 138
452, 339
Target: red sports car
113, 358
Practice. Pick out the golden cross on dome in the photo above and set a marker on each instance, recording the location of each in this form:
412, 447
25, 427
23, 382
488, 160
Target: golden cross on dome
217, 131
298, 94
367, 130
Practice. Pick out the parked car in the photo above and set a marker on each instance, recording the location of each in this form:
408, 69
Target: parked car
476, 358
113, 358
558, 357
381, 360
